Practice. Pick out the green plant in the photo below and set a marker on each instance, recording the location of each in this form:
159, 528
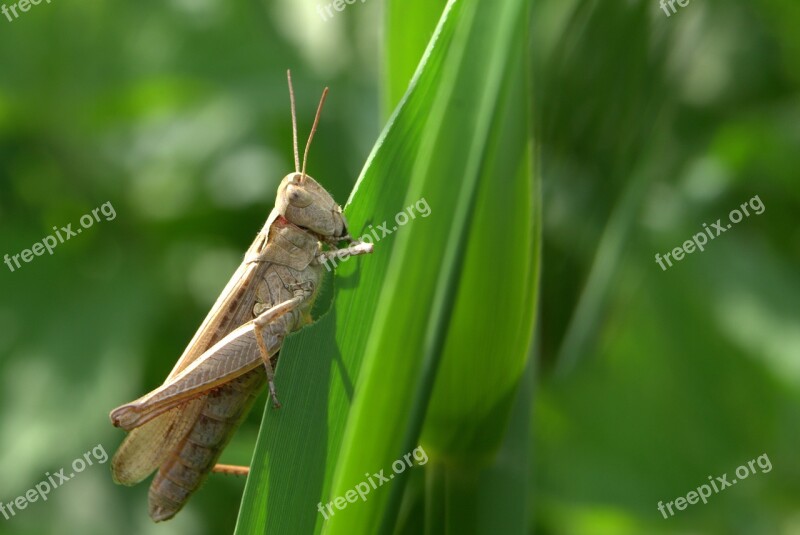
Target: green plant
429, 337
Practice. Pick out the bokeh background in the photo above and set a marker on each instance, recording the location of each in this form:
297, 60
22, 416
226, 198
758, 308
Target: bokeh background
648, 126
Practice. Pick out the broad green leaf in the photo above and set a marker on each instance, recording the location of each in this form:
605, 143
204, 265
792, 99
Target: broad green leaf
356, 385
408, 26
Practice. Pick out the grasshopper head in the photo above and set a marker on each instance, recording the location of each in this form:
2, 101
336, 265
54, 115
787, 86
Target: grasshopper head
303, 202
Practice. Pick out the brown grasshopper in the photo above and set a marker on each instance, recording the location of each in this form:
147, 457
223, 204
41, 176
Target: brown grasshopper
181, 427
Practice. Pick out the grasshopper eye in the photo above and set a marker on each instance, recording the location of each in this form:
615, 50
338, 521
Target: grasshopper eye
297, 196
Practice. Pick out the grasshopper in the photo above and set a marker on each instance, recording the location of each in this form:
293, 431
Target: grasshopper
181, 427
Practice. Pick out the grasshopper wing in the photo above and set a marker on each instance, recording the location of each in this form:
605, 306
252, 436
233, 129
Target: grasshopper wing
147, 447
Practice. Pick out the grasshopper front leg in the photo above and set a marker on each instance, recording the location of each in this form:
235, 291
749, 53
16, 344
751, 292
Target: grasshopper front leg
354, 249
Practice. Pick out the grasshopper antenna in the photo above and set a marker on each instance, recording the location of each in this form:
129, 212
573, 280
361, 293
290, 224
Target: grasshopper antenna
294, 122
313, 129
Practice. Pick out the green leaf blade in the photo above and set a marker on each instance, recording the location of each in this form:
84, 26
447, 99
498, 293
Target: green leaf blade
373, 359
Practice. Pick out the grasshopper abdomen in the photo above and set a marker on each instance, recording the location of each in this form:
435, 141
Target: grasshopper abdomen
187, 468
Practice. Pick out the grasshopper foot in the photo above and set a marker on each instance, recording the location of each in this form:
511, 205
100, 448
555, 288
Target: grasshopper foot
275, 403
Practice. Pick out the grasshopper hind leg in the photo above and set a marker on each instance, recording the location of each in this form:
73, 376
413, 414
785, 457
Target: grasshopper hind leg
260, 323
262, 347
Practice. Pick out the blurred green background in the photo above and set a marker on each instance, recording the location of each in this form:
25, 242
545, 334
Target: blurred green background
647, 126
